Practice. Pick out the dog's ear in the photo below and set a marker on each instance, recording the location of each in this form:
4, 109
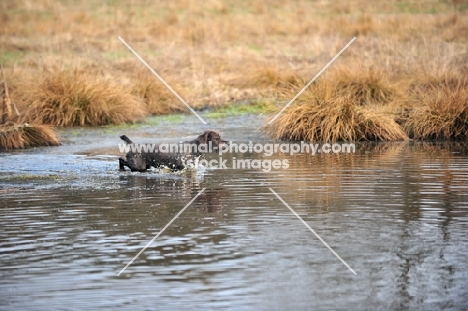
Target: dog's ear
206, 137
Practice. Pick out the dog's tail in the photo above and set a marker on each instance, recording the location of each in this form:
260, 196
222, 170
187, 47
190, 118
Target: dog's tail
126, 139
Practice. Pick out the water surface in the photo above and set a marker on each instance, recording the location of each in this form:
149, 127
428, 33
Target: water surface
396, 213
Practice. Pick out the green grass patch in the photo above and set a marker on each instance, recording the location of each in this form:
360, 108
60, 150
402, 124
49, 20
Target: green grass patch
150, 121
257, 48
418, 8
29, 177
9, 57
235, 109
168, 118
117, 54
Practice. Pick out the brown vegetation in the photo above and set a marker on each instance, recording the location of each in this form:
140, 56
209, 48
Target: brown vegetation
17, 136
365, 86
75, 98
157, 97
14, 136
441, 109
323, 113
71, 69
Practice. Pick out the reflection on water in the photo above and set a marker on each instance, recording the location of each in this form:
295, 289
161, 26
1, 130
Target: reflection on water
396, 213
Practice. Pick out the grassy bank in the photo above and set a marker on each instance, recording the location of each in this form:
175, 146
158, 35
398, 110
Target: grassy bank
19, 136
402, 78
365, 105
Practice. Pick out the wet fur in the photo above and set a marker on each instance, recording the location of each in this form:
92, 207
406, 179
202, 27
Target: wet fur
142, 161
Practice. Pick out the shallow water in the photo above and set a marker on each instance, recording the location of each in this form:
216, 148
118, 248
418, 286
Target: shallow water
396, 213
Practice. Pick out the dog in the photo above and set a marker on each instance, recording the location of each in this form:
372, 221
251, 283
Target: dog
143, 160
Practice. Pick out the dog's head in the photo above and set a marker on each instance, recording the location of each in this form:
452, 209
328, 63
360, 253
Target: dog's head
212, 136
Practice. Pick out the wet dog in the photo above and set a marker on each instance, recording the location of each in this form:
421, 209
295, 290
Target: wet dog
142, 160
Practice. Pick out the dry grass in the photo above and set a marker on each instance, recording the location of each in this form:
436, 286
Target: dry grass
157, 97
225, 52
441, 109
74, 98
14, 136
323, 114
266, 76
365, 86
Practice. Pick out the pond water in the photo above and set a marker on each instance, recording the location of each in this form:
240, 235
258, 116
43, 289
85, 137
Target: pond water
396, 213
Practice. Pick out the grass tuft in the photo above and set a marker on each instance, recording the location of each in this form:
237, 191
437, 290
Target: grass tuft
157, 97
323, 114
441, 109
366, 86
13, 136
75, 98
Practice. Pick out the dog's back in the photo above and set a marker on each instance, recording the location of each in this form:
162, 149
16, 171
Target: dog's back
143, 160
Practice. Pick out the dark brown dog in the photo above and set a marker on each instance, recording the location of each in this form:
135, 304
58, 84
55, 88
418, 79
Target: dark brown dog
143, 160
